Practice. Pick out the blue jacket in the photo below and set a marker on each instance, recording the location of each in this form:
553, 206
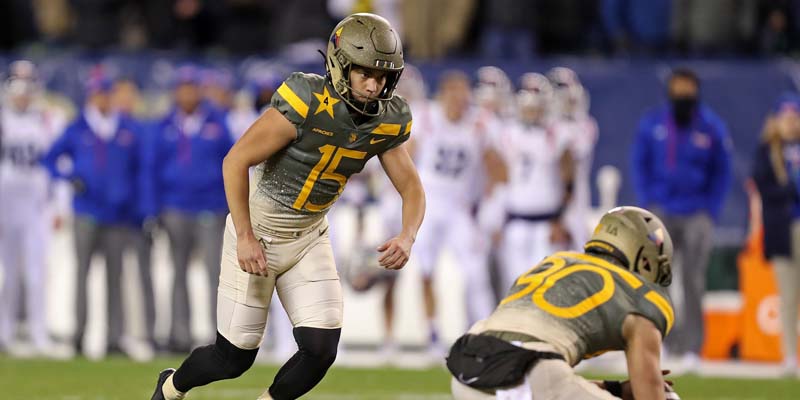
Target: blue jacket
682, 171
105, 173
185, 172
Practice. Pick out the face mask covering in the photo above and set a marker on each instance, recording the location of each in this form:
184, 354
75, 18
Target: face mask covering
683, 109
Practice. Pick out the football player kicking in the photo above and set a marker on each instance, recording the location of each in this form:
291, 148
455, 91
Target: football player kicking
574, 306
318, 132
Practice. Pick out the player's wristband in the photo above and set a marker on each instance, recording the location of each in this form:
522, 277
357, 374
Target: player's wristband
613, 387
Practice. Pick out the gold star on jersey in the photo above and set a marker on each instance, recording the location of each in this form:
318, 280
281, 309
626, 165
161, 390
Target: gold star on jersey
326, 102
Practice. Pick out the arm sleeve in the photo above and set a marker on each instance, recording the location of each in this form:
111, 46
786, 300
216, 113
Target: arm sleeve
721, 170
640, 167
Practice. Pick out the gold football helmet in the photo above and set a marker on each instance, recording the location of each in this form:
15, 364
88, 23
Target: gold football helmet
638, 240
369, 41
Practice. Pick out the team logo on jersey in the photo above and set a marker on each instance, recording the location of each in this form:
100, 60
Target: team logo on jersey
326, 102
353, 137
322, 131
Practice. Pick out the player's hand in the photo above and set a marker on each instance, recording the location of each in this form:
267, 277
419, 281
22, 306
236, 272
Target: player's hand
250, 253
627, 389
395, 252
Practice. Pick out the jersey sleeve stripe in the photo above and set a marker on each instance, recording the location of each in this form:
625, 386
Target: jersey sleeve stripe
387, 129
291, 97
663, 305
408, 128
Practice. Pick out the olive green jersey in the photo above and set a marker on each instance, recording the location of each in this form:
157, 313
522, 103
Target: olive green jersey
308, 175
578, 302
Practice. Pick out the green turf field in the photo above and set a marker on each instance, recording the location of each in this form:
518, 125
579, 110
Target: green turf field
119, 379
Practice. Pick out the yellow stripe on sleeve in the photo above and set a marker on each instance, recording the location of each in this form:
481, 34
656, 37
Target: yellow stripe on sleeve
291, 97
663, 305
387, 129
408, 128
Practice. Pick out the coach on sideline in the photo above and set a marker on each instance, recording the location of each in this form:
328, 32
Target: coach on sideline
681, 170
184, 161
103, 148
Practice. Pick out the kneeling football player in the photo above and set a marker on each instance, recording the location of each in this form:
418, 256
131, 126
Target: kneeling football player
574, 306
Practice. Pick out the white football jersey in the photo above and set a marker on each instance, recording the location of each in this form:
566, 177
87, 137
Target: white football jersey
449, 154
24, 138
532, 154
581, 137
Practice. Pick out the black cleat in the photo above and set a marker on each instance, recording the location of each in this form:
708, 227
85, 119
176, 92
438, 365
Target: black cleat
158, 394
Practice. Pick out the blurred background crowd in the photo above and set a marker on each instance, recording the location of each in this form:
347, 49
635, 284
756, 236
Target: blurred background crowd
113, 133
516, 29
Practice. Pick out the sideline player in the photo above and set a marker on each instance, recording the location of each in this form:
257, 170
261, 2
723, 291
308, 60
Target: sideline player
319, 131
540, 180
26, 132
574, 306
450, 156
574, 123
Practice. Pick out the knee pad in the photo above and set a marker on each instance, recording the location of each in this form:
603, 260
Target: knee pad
318, 344
234, 361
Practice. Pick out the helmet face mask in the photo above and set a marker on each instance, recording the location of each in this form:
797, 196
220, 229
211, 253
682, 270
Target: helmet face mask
367, 41
638, 240
534, 98
493, 88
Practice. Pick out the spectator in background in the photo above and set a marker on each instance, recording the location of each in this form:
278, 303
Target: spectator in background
681, 170
17, 24
641, 27
776, 172
125, 100
247, 25
508, 31
182, 24
217, 88
776, 26
433, 29
97, 22
261, 89
709, 27
567, 26
185, 190
103, 147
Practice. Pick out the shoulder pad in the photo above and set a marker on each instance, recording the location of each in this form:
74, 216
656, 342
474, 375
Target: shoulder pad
293, 97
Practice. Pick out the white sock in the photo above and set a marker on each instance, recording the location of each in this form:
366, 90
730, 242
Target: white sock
170, 393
